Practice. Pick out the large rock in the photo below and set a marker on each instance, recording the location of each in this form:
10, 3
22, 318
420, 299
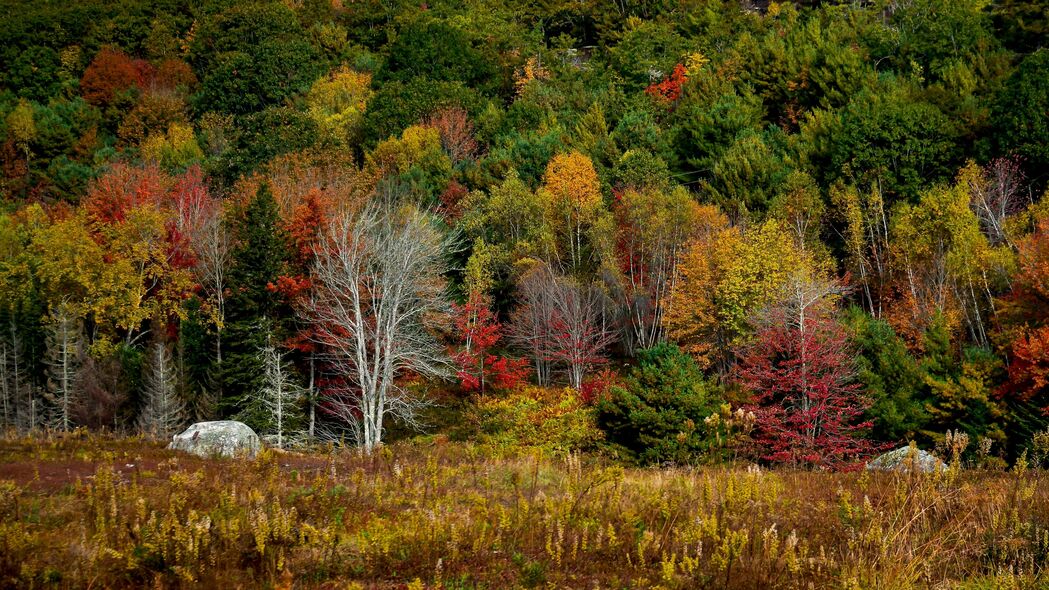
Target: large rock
907, 459
222, 438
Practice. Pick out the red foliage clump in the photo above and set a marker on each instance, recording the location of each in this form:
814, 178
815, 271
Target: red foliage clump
596, 387
451, 200
123, 188
1029, 369
110, 73
478, 367
669, 90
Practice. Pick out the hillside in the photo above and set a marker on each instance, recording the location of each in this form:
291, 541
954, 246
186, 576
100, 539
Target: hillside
415, 245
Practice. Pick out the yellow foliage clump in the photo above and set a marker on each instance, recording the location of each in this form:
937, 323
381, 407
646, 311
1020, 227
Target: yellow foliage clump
337, 103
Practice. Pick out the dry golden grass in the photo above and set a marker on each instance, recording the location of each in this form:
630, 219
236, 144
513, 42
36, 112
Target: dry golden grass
87, 511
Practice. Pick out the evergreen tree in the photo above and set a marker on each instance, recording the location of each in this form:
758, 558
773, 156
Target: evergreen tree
959, 387
891, 377
258, 260
196, 364
656, 415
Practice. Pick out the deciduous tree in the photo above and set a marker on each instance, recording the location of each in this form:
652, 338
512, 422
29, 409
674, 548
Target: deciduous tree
799, 367
379, 284
478, 332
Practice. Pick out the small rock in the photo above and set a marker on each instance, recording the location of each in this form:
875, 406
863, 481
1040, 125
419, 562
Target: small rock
221, 438
907, 459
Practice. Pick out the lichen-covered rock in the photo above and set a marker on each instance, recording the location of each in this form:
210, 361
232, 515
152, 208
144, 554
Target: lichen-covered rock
222, 438
907, 459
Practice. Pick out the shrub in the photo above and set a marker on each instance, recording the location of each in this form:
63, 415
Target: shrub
555, 420
656, 415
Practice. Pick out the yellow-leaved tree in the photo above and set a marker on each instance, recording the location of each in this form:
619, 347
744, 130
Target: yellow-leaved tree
944, 264
337, 102
726, 277
571, 196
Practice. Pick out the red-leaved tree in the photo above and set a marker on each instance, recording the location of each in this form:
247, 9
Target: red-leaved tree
1026, 322
669, 90
303, 226
110, 73
479, 331
805, 396
561, 322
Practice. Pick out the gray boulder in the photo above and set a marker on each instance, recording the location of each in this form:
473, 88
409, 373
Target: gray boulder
907, 459
222, 438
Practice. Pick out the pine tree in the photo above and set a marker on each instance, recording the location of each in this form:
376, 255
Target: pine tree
258, 261
163, 411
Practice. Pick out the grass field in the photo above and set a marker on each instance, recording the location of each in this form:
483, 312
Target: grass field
87, 511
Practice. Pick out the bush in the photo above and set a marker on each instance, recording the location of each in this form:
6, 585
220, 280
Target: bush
656, 416
555, 420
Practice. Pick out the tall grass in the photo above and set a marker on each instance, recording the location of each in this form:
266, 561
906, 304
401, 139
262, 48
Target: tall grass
99, 512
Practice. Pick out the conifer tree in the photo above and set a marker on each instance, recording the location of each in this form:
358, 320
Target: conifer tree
258, 261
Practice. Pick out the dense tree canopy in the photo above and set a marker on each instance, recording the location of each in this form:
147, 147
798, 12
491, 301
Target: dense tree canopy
612, 185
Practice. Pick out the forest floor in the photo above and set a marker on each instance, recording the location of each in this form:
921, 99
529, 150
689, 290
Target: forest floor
89, 511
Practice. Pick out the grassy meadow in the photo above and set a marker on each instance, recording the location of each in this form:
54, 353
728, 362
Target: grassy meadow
87, 511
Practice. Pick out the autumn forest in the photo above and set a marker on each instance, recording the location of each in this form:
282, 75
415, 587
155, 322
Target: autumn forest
545, 293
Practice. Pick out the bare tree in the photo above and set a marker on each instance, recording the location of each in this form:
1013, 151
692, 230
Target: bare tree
457, 133
164, 411
996, 193
101, 391
562, 322
580, 333
379, 284
6, 387
212, 244
21, 409
63, 362
530, 326
280, 394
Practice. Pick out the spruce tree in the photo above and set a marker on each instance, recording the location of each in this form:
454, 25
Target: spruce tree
259, 258
197, 366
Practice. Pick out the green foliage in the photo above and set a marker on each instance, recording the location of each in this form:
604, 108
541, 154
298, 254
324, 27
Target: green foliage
397, 105
1023, 24
747, 176
437, 51
247, 82
263, 136
891, 378
706, 126
656, 415
253, 309
647, 53
903, 143
1021, 114
35, 73
959, 387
